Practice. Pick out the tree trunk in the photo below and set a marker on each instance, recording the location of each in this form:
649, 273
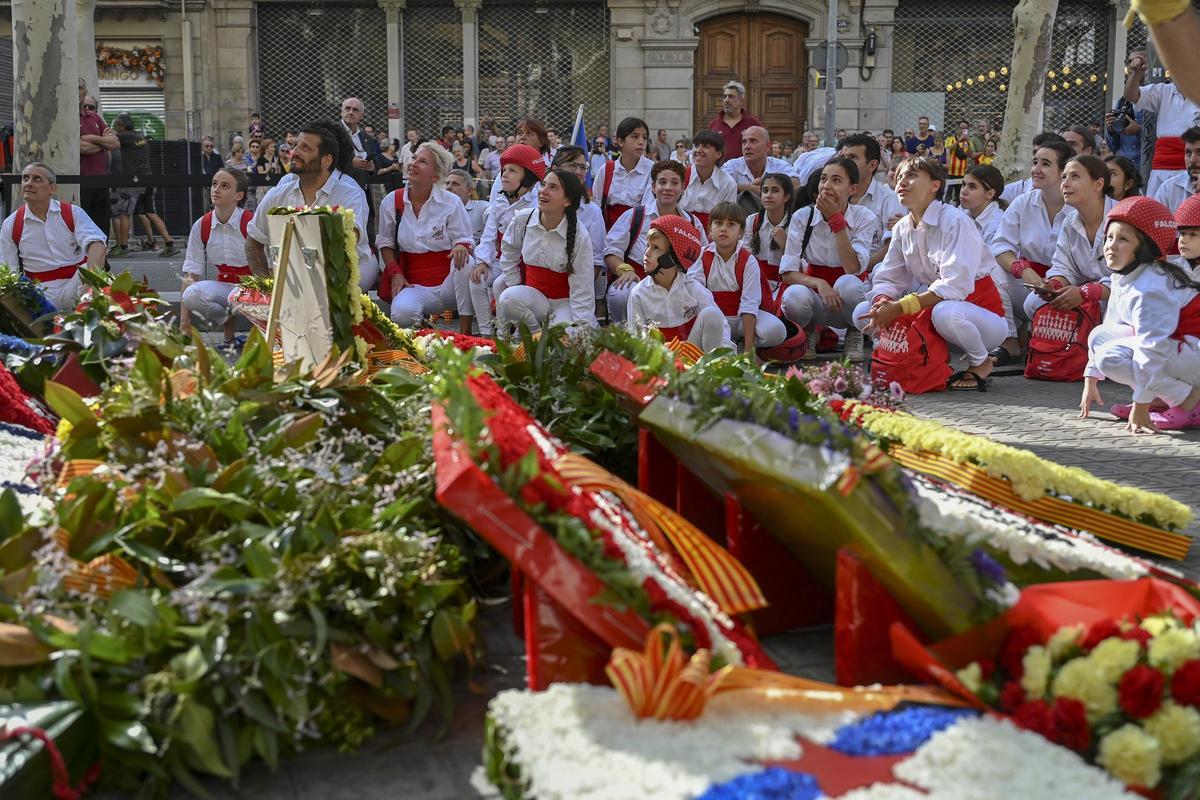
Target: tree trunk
85, 36
46, 86
1033, 23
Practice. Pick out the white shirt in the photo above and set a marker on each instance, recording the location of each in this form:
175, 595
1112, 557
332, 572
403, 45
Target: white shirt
617, 241
591, 217
988, 221
702, 196
812, 161
764, 253
226, 245
1175, 112
596, 162
1147, 300
741, 172
477, 211
1077, 259
722, 277
443, 223
527, 240
945, 254
884, 204
500, 212
51, 244
339, 190
627, 188
491, 163
652, 306
1025, 230
822, 245
1174, 190
1015, 189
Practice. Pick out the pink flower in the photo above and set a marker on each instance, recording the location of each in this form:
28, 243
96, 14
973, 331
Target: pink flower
839, 384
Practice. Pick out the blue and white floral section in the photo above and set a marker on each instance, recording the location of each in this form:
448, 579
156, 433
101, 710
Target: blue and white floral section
580, 742
18, 447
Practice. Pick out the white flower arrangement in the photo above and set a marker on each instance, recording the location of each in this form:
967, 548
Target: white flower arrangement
18, 447
581, 742
985, 758
958, 514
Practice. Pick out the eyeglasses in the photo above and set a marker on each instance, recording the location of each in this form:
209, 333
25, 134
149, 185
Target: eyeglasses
88, 108
577, 166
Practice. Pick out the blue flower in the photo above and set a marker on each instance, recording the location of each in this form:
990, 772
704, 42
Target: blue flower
724, 392
988, 567
794, 419
772, 783
890, 733
17, 345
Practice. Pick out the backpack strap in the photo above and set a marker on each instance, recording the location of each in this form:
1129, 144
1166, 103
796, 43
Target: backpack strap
706, 261
609, 169
739, 268
687, 176
399, 200
635, 229
206, 228
808, 230
68, 214
247, 215
18, 229
758, 223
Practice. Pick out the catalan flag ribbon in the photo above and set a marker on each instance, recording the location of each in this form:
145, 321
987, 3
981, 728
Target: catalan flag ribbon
712, 569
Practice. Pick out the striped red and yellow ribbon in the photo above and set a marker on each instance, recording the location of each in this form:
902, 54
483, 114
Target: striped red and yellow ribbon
712, 569
660, 683
101, 576
685, 351
874, 460
1048, 508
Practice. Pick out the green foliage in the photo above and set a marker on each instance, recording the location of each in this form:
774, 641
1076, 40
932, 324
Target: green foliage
296, 578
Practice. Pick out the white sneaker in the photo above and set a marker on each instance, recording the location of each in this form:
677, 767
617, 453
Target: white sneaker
854, 347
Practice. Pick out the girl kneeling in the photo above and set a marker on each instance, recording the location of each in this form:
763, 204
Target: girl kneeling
546, 260
215, 260
937, 261
1149, 338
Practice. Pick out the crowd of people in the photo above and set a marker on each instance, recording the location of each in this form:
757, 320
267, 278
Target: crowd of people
728, 237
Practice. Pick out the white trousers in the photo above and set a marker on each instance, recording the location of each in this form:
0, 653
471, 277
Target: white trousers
708, 333
519, 304
769, 329
1111, 349
368, 274
966, 327
208, 302
415, 303
618, 301
480, 295
1002, 281
804, 306
64, 293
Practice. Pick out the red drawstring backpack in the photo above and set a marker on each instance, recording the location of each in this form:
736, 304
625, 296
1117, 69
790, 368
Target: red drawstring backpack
913, 354
1058, 342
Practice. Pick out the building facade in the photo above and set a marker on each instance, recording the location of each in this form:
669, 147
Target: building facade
428, 63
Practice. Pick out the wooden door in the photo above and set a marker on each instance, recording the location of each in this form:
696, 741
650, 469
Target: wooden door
766, 53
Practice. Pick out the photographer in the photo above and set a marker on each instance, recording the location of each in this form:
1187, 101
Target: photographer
598, 155
1123, 130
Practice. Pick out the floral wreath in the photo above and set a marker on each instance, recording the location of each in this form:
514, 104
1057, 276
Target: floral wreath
147, 59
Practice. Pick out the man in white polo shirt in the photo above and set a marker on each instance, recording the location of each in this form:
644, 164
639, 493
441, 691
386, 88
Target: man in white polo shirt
755, 162
1175, 112
50, 240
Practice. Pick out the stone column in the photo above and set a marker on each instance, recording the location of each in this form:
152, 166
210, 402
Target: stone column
470, 34
669, 56
1118, 44
393, 10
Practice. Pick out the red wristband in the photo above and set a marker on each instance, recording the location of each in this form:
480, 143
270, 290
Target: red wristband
837, 223
1091, 291
1018, 268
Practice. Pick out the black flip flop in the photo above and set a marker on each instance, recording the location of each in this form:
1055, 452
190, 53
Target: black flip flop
1001, 356
980, 384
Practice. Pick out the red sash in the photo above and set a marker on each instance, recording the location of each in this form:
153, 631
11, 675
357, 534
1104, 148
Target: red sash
987, 296
230, 274
1168, 153
680, 332
56, 274
553, 284
769, 271
1025, 263
426, 269
829, 274
1189, 320
729, 301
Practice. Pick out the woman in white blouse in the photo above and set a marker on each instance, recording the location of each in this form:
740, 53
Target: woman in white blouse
981, 197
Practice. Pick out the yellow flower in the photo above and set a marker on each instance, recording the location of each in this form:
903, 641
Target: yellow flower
1172, 647
1063, 640
1157, 624
1115, 657
1131, 755
1177, 729
971, 676
1037, 672
63, 431
1083, 680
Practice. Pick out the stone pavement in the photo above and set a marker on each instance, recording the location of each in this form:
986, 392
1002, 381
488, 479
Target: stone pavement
1039, 416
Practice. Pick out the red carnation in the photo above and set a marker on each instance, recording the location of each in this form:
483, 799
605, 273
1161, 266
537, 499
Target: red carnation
1012, 696
1104, 629
1013, 651
1185, 687
1138, 634
1034, 716
988, 667
1140, 691
1069, 724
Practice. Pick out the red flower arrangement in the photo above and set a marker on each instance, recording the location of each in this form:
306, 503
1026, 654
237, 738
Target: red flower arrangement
515, 435
18, 408
1185, 686
460, 340
1140, 691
